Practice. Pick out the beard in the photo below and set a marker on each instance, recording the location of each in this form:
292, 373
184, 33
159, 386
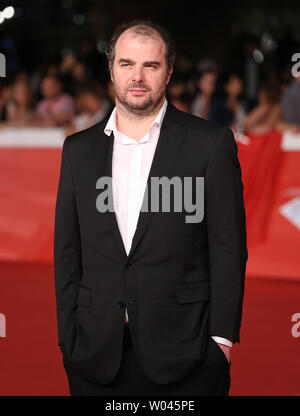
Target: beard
140, 105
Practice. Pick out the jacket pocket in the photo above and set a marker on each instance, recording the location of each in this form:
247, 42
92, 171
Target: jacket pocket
84, 296
220, 352
193, 291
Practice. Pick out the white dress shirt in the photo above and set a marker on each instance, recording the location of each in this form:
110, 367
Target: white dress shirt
131, 165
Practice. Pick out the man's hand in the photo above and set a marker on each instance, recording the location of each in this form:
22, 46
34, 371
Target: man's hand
226, 350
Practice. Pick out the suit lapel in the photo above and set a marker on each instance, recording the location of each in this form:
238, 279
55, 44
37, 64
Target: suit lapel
103, 152
171, 138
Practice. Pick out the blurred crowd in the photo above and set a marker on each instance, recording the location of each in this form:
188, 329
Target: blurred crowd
69, 95
64, 95
220, 97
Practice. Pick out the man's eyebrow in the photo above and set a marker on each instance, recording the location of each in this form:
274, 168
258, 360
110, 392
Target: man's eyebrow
126, 61
129, 61
157, 63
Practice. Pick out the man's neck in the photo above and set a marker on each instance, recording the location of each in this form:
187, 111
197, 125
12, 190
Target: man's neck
133, 125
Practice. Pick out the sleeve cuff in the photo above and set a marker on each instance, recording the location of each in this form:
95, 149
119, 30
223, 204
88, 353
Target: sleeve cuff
223, 341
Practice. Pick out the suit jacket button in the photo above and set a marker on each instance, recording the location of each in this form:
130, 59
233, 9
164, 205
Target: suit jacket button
121, 304
128, 266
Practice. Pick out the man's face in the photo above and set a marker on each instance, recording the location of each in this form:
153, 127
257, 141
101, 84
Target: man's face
139, 72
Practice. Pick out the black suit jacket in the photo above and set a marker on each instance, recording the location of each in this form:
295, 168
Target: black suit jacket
181, 282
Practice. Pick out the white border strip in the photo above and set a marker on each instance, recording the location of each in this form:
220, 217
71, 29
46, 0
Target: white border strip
54, 138
32, 137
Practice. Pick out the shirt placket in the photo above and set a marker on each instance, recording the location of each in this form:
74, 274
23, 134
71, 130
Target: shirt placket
134, 190
134, 194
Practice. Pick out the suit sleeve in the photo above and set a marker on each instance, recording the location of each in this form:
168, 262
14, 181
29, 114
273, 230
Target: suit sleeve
67, 252
226, 228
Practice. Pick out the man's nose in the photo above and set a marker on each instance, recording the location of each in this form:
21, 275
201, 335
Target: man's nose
138, 75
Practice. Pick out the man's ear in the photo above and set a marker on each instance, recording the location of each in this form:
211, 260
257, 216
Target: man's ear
169, 75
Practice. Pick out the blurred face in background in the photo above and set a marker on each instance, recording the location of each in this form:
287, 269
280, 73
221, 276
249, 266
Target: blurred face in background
68, 62
50, 88
207, 83
21, 94
89, 102
79, 71
139, 72
234, 86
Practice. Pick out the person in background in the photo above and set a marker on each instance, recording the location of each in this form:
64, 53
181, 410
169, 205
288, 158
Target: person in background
20, 106
56, 109
267, 115
80, 78
46, 69
205, 84
291, 103
92, 109
229, 110
65, 68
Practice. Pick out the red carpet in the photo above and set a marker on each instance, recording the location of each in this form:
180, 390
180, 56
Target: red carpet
266, 362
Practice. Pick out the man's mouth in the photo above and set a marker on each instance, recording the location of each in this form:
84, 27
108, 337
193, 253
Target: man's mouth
138, 91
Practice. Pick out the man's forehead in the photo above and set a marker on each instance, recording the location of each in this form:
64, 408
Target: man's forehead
131, 40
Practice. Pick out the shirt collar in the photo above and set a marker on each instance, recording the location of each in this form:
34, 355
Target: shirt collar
120, 137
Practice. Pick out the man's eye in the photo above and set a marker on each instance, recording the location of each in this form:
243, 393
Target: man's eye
125, 65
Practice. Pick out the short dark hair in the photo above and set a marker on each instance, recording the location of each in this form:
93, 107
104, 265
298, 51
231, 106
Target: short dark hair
143, 28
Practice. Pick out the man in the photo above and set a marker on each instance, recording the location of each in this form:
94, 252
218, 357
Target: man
148, 302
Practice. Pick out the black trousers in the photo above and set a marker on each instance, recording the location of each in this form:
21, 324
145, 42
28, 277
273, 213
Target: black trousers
210, 378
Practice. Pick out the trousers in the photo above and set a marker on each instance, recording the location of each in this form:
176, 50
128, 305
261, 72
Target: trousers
210, 378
